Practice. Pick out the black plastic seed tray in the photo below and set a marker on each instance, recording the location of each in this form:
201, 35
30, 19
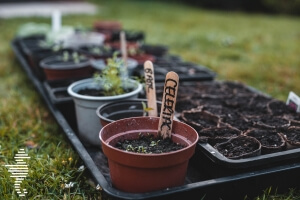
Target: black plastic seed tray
200, 183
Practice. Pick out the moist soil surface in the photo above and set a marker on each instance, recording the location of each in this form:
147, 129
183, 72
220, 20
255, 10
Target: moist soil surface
95, 92
149, 144
237, 147
225, 132
267, 138
292, 135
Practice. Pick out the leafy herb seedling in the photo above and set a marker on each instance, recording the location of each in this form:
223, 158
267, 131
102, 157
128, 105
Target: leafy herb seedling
113, 77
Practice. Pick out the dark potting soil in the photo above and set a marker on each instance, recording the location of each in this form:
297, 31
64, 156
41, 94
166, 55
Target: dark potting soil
292, 134
267, 138
237, 147
201, 120
149, 144
271, 121
279, 108
91, 92
95, 92
237, 122
220, 132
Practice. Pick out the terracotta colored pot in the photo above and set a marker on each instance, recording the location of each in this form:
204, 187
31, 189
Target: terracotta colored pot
113, 111
107, 28
55, 68
138, 173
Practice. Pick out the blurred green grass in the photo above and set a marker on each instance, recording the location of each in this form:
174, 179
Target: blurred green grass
262, 51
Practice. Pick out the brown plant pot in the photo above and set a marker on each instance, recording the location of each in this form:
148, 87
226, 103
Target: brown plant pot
271, 141
216, 135
57, 69
200, 119
240, 147
270, 122
292, 137
138, 173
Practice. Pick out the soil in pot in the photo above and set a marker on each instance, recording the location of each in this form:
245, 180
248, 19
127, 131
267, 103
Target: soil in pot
240, 147
279, 108
199, 119
147, 143
271, 140
238, 101
140, 172
98, 92
235, 87
237, 121
292, 137
269, 121
217, 135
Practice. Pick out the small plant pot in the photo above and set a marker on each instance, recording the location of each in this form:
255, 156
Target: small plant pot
292, 137
240, 147
200, 119
113, 111
279, 108
237, 121
56, 68
271, 140
138, 172
217, 135
86, 106
270, 122
107, 27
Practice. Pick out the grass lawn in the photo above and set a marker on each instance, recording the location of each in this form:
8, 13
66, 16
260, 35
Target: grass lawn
262, 51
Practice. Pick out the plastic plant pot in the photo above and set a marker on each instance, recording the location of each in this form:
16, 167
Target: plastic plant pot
86, 106
139, 172
113, 111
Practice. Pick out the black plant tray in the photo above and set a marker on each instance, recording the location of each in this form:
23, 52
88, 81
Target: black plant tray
187, 71
200, 181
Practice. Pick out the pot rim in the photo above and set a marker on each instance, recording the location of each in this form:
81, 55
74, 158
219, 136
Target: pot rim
115, 103
81, 84
119, 151
44, 65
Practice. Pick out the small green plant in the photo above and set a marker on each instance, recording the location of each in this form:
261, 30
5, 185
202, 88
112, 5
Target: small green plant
145, 109
74, 56
113, 77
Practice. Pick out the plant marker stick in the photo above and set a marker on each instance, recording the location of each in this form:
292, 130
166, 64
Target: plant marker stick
150, 88
56, 21
168, 105
123, 48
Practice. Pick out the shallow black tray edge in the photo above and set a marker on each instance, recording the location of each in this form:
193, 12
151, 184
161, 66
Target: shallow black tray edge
202, 188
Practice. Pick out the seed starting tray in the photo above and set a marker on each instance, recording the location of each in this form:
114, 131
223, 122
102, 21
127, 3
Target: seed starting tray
205, 178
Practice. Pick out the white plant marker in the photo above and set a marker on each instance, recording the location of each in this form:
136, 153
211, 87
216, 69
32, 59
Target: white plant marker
168, 105
293, 101
56, 21
150, 88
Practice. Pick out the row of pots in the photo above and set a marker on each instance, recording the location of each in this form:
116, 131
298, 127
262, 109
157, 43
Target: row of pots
131, 172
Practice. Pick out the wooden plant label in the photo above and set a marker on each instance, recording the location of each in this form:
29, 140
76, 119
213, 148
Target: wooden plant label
168, 105
150, 88
123, 48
